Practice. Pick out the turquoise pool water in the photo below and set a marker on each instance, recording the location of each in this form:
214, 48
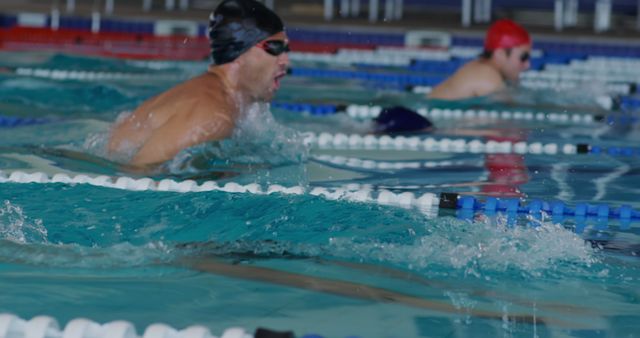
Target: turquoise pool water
304, 263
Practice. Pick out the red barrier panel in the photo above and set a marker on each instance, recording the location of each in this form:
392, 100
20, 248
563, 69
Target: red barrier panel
138, 46
128, 45
298, 46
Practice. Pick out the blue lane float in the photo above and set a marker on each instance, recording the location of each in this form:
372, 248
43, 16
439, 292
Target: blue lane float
630, 103
620, 120
335, 36
557, 210
389, 78
313, 109
13, 121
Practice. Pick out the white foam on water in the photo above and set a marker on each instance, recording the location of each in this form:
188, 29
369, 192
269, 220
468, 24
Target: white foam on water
27, 84
480, 249
96, 143
257, 139
77, 256
17, 227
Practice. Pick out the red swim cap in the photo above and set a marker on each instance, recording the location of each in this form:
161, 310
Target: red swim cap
506, 34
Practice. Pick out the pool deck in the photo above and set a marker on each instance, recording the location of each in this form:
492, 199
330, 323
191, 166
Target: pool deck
310, 14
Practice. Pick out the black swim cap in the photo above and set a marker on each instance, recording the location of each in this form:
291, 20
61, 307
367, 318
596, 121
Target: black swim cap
237, 25
400, 119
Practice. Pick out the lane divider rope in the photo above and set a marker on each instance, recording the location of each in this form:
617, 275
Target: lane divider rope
559, 211
561, 84
48, 327
389, 78
364, 111
349, 192
354, 162
460, 145
424, 79
79, 75
419, 84
368, 112
429, 203
626, 81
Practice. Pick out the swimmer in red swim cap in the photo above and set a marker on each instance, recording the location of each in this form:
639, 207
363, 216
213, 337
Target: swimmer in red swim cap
507, 52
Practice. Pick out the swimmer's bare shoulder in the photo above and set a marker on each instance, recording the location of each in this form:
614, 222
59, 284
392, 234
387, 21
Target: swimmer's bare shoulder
475, 78
191, 113
482, 78
132, 131
207, 120
459, 85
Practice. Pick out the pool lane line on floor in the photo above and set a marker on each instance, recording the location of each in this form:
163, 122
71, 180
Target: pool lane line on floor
428, 203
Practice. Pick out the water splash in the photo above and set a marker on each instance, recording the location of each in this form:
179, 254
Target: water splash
481, 248
27, 84
96, 144
462, 301
17, 227
257, 139
78, 256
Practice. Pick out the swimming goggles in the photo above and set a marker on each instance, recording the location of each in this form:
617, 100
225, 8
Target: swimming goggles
274, 47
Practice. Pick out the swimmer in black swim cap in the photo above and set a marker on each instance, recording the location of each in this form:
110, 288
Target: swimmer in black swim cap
249, 53
236, 26
398, 119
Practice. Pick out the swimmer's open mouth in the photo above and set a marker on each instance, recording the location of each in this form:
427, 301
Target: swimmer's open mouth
277, 79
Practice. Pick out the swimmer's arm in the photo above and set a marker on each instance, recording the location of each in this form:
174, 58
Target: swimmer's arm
181, 132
